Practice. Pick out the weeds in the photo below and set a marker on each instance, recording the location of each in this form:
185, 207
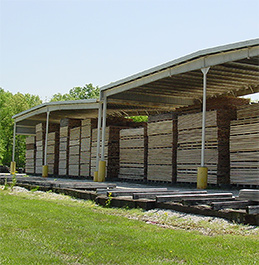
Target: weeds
108, 202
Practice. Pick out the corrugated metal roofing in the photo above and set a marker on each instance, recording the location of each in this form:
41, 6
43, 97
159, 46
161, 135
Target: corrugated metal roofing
234, 70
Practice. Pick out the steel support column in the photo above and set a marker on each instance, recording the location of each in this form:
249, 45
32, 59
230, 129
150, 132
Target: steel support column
104, 126
46, 139
45, 166
98, 135
204, 71
14, 135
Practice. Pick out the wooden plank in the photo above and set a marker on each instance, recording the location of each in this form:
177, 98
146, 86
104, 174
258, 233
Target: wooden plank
161, 156
160, 172
177, 198
249, 194
190, 121
161, 127
129, 192
230, 205
253, 209
154, 194
158, 141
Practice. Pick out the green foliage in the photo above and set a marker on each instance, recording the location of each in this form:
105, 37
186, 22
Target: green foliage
11, 104
139, 118
77, 93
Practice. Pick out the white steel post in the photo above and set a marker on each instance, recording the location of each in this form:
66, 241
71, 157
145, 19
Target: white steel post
104, 126
98, 135
46, 139
14, 135
204, 71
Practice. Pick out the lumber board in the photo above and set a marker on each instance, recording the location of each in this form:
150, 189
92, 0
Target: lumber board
154, 194
131, 132
177, 198
159, 141
190, 121
252, 209
160, 172
230, 205
249, 194
130, 192
161, 127
73, 170
132, 143
161, 156
30, 140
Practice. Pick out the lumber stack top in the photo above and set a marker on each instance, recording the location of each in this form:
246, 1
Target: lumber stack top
191, 121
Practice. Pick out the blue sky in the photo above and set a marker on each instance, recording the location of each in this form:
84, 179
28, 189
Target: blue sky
51, 46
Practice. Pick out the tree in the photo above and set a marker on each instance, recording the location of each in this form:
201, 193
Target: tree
77, 93
10, 105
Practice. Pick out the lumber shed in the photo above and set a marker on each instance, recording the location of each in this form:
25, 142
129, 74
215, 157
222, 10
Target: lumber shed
229, 70
188, 85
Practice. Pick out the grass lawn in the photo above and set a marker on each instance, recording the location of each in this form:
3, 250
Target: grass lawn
34, 230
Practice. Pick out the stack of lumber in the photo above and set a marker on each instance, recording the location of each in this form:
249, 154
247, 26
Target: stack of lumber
63, 151
85, 150
52, 152
244, 146
30, 154
189, 146
133, 153
216, 146
65, 126
162, 143
40, 143
74, 152
111, 153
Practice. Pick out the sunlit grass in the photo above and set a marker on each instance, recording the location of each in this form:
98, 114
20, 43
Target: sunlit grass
39, 229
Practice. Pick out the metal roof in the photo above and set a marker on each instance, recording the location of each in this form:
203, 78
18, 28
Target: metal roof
76, 109
234, 70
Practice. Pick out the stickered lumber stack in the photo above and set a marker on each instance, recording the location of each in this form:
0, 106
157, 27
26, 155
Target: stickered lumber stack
162, 143
244, 146
111, 154
30, 154
133, 153
85, 150
74, 152
63, 151
65, 126
216, 146
40, 143
52, 153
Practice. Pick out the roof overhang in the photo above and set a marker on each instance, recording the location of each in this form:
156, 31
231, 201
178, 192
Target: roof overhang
234, 70
76, 109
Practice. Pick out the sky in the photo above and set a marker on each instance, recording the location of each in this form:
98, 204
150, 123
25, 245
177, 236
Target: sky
51, 46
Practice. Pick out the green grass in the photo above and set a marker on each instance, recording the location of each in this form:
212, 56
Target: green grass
64, 231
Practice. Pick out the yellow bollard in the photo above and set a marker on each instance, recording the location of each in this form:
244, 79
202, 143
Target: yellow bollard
202, 177
96, 176
13, 168
44, 171
101, 171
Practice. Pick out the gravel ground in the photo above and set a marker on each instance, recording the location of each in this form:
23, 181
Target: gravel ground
164, 218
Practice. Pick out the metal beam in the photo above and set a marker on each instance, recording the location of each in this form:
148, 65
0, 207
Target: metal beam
98, 135
104, 127
25, 130
144, 98
14, 134
204, 71
46, 139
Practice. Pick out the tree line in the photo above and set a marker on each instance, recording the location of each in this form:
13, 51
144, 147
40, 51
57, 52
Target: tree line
11, 104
